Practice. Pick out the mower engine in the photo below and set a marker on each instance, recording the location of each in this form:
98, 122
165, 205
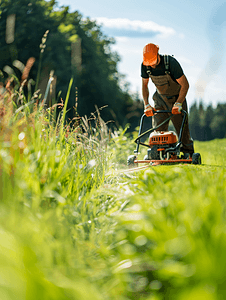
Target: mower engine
159, 142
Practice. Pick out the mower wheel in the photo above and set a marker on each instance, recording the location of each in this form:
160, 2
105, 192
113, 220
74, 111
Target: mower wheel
130, 161
196, 159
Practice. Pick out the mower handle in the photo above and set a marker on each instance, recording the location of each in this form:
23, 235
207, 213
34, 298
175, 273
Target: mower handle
165, 111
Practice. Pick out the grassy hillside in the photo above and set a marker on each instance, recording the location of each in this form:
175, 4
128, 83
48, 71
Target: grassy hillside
73, 228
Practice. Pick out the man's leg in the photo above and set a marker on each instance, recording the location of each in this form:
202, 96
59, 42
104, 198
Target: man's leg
187, 141
159, 104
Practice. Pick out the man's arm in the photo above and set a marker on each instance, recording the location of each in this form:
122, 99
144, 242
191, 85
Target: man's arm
148, 109
145, 90
183, 82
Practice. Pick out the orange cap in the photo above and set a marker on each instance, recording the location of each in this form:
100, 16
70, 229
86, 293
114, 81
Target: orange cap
150, 54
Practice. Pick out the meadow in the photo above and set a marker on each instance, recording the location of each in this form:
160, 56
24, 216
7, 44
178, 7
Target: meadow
75, 225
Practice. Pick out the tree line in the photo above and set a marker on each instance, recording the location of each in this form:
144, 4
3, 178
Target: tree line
207, 123
72, 46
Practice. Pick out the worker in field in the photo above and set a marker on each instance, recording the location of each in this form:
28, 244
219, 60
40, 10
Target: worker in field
171, 89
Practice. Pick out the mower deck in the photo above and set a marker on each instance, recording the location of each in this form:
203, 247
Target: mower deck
163, 162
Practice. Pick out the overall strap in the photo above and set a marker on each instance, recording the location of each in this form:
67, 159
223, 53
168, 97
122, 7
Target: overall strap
166, 62
149, 71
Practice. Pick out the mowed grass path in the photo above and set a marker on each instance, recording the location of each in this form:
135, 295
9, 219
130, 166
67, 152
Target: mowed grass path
174, 229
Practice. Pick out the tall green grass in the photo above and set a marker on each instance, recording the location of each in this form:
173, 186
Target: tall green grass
74, 225
50, 211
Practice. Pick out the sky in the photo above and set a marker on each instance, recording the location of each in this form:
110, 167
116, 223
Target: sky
193, 31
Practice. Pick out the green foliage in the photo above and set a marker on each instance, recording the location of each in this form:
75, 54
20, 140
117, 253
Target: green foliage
213, 152
73, 227
98, 80
170, 240
52, 219
120, 148
207, 123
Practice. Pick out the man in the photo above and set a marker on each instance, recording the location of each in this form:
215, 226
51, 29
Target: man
171, 89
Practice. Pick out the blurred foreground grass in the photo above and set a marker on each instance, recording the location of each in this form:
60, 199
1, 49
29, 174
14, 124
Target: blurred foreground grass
72, 228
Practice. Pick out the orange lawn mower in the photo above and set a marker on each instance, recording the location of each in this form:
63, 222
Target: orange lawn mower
163, 146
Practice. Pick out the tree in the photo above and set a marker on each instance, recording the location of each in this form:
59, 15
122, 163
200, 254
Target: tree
207, 123
194, 122
98, 81
209, 115
218, 123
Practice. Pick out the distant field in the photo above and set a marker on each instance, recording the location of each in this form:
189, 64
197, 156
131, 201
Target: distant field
213, 152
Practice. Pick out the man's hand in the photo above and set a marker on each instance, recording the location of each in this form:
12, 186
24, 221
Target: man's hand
148, 110
176, 110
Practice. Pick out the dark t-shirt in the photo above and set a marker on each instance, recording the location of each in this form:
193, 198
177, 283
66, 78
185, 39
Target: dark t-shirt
174, 68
